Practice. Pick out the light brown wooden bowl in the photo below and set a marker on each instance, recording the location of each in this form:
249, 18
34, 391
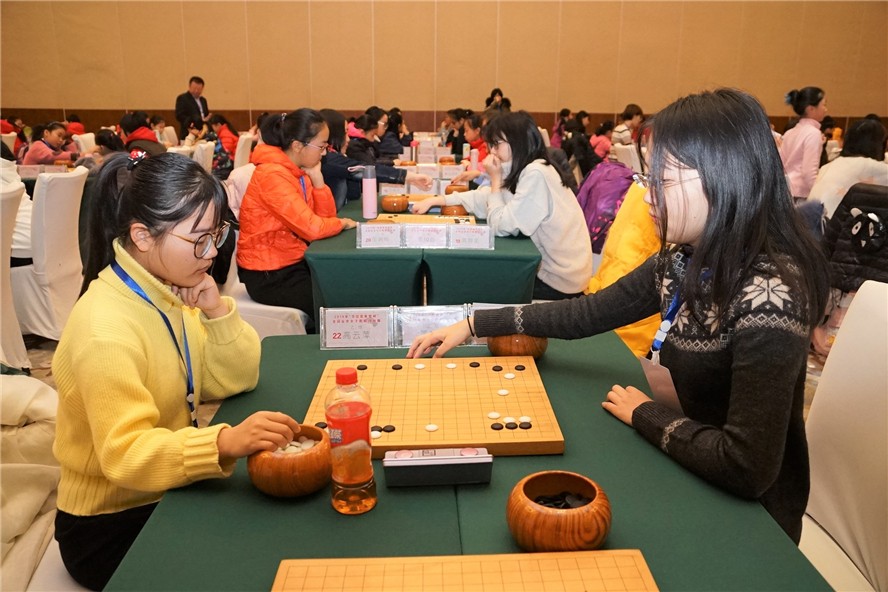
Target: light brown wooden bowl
283, 474
455, 189
518, 345
540, 528
447, 160
395, 203
407, 163
453, 211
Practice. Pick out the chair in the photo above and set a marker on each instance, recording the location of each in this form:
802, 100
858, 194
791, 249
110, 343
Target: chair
545, 133
627, 154
9, 140
203, 154
51, 574
845, 529
242, 152
170, 135
855, 237
13, 352
45, 292
266, 319
85, 142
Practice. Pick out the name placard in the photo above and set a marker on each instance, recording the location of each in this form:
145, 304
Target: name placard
413, 321
355, 327
379, 236
425, 236
471, 236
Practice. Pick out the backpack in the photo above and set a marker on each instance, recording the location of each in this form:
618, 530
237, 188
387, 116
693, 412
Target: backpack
600, 196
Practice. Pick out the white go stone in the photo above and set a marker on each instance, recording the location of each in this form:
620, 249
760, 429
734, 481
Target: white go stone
375, 434
508, 420
502, 392
307, 444
509, 375
524, 418
419, 366
451, 365
493, 415
431, 427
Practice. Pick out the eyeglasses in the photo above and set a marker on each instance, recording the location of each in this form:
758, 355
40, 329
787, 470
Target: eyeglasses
382, 123
324, 148
493, 145
642, 180
206, 241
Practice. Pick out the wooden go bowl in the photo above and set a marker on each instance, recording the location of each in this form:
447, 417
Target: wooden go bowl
447, 160
538, 528
453, 211
395, 203
518, 345
284, 474
455, 189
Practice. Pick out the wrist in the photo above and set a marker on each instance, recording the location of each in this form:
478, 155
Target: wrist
217, 311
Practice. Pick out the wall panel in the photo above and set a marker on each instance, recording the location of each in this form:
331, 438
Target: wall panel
427, 56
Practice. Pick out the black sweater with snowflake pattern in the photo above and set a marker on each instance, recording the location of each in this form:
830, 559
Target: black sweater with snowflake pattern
741, 384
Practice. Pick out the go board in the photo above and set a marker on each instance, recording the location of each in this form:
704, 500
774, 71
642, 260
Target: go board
566, 571
422, 219
456, 396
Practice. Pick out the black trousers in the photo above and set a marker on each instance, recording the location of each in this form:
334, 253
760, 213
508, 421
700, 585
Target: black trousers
288, 286
543, 291
93, 546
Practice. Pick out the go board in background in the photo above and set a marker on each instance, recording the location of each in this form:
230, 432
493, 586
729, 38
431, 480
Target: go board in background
570, 571
456, 396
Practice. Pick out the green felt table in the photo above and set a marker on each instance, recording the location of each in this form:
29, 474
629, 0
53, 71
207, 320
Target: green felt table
226, 535
345, 276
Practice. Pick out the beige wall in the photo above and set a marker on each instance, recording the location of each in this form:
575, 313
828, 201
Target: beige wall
434, 55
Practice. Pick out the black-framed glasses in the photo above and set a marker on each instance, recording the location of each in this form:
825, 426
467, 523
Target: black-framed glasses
207, 240
642, 179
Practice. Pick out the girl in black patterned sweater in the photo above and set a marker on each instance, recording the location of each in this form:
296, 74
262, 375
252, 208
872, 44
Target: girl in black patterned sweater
751, 284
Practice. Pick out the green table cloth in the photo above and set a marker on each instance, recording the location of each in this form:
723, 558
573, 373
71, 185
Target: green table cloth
226, 535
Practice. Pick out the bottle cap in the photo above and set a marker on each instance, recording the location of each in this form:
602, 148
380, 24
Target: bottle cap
346, 376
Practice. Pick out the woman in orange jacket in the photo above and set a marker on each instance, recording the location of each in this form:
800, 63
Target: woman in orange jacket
286, 206
225, 132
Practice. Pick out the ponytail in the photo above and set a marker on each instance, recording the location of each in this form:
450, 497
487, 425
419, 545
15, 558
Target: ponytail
282, 129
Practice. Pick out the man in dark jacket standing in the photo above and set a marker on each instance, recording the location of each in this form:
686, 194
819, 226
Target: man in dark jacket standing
191, 105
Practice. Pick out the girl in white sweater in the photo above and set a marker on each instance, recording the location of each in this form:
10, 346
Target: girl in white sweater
528, 195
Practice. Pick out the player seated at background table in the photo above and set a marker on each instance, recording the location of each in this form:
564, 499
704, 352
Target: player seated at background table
287, 205
749, 283
148, 340
342, 174
531, 196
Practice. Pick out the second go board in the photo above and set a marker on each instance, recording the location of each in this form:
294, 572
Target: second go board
498, 403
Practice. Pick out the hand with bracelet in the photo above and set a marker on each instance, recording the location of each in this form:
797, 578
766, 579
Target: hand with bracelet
445, 338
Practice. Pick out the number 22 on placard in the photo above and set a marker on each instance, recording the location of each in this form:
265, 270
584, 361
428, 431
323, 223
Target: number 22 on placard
337, 335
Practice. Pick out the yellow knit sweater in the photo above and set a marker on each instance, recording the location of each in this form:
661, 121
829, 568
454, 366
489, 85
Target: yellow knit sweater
632, 238
124, 433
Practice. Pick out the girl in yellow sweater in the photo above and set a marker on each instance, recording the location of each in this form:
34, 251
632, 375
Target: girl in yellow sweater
149, 338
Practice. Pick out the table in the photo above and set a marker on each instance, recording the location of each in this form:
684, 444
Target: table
343, 275
225, 535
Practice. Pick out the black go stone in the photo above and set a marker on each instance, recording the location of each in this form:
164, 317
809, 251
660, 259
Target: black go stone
511, 425
496, 426
388, 428
474, 364
562, 501
397, 367
518, 368
525, 425
375, 428
362, 366
321, 424
497, 368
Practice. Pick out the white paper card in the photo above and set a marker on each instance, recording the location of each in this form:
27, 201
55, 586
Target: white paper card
470, 236
392, 189
379, 236
355, 327
29, 171
425, 236
413, 321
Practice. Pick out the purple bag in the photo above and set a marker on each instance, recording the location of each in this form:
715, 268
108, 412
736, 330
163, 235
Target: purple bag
600, 196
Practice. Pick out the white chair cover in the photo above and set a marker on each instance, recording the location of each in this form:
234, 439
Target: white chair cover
628, 155
545, 133
9, 140
170, 135
13, 352
203, 154
266, 319
45, 292
848, 442
85, 142
242, 152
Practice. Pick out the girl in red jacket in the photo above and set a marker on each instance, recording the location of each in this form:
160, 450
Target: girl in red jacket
286, 206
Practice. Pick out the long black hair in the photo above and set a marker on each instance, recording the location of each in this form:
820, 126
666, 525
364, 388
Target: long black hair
521, 132
799, 100
298, 126
159, 192
726, 137
336, 124
220, 119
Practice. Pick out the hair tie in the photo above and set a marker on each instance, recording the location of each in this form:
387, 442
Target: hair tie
283, 117
135, 157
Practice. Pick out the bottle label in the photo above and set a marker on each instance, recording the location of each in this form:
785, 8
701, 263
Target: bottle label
348, 425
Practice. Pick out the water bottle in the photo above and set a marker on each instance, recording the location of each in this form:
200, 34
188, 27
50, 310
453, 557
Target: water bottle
466, 150
347, 409
473, 159
369, 193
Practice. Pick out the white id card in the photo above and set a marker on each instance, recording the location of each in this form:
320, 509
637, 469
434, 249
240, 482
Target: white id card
660, 380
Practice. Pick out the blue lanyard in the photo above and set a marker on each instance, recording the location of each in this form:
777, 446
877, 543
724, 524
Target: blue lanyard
304, 191
668, 319
186, 359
